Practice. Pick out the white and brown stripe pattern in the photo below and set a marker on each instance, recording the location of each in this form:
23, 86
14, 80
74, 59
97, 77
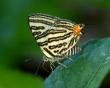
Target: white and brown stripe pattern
54, 36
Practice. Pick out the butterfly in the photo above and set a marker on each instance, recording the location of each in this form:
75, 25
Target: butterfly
56, 37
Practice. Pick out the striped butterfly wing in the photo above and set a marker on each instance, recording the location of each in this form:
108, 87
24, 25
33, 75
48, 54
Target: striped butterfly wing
69, 39
53, 35
42, 26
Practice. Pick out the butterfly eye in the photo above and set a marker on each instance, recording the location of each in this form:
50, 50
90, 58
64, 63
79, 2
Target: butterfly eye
77, 29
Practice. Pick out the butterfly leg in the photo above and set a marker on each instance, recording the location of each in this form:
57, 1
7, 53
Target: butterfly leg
70, 59
51, 64
45, 59
36, 72
62, 64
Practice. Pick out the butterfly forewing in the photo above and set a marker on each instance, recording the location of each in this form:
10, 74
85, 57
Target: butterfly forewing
54, 36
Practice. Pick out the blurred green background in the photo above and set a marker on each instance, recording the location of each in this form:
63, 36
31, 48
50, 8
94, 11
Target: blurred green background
16, 39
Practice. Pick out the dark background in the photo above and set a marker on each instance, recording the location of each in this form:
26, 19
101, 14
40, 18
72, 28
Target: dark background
17, 42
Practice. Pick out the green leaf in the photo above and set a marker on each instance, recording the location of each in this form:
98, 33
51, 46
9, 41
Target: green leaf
87, 70
16, 79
